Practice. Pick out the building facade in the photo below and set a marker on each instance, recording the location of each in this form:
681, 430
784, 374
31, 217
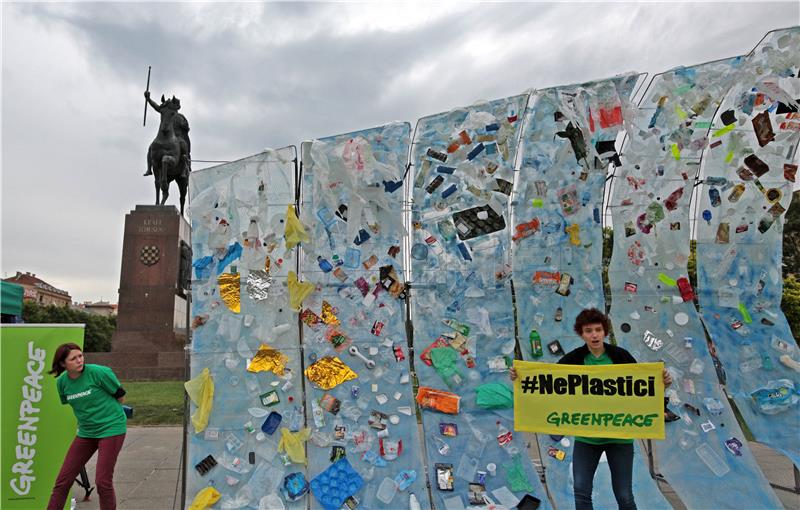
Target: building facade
39, 291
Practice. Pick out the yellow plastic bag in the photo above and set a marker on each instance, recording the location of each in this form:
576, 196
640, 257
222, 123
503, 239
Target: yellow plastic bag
201, 391
295, 232
205, 499
298, 290
292, 444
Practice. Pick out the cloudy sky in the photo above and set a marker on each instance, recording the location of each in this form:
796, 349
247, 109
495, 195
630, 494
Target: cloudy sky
252, 76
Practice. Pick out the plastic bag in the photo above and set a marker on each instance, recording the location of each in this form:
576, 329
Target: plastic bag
444, 360
295, 232
298, 290
201, 391
292, 444
205, 499
494, 396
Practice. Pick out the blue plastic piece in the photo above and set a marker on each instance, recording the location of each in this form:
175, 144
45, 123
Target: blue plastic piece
270, 425
337, 483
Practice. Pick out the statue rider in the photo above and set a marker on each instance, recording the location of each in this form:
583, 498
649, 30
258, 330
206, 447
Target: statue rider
181, 127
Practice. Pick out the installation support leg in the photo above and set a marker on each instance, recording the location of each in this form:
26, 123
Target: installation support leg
796, 488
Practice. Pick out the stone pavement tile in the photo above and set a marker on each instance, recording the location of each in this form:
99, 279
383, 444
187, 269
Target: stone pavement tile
148, 504
778, 470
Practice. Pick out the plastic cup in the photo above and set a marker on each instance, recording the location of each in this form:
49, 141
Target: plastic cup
491, 468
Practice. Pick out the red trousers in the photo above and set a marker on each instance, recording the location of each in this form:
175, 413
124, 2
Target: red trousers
78, 455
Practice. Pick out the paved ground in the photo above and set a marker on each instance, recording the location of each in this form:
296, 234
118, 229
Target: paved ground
147, 472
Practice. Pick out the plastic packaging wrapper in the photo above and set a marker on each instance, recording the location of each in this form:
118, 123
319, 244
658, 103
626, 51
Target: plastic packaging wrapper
292, 444
201, 391
438, 400
258, 284
749, 176
268, 358
205, 499
494, 396
298, 290
329, 372
229, 290
295, 231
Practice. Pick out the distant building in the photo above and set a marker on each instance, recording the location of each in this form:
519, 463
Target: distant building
39, 291
103, 308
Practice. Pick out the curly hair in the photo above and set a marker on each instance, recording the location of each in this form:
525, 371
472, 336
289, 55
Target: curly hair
591, 316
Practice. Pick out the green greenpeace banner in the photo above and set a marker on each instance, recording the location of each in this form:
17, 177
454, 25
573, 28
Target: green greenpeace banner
35, 429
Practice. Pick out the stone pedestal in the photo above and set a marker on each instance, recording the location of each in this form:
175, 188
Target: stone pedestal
151, 316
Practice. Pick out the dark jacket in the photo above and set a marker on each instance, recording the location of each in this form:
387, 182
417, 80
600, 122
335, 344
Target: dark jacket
618, 355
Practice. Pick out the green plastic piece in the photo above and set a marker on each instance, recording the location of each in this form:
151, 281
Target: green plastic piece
676, 152
745, 314
494, 396
666, 280
444, 360
723, 131
654, 213
515, 474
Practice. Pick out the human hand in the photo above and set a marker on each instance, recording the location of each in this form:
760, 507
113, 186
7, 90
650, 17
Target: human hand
147, 94
667, 378
512, 373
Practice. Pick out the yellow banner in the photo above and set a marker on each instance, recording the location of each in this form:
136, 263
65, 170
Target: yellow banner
615, 401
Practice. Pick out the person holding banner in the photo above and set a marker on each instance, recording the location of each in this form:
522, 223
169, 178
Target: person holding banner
96, 397
593, 326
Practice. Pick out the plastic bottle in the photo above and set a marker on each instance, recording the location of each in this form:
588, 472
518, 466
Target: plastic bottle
504, 436
456, 326
413, 502
536, 344
326, 266
441, 446
252, 234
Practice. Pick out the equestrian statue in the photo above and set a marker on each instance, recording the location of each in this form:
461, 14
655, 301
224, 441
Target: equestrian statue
169, 156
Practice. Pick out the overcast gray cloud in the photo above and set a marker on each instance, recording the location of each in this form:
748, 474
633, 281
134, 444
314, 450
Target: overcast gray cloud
252, 76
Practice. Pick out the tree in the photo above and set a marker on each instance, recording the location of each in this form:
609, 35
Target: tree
790, 304
791, 237
98, 332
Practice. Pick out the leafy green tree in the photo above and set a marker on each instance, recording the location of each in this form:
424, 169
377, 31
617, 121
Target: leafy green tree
98, 332
790, 304
791, 237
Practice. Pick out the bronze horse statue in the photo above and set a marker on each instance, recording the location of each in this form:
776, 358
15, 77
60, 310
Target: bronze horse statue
169, 155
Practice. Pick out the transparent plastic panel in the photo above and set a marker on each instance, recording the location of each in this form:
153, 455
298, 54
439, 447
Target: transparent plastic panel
243, 331
568, 143
352, 201
461, 306
748, 175
653, 310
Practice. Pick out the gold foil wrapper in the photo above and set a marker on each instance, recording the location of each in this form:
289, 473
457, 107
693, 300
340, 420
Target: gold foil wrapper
229, 290
329, 372
328, 317
268, 359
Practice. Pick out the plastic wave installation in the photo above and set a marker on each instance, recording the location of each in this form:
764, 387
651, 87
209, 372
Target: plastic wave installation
355, 316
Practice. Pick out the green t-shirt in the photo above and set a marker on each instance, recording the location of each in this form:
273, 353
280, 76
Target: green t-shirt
602, 360
92, 399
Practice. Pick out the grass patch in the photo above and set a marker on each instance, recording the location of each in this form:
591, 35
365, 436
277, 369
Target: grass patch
155, 402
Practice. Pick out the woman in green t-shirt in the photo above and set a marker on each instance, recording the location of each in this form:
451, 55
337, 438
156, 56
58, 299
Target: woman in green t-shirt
592, 326
96, 397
